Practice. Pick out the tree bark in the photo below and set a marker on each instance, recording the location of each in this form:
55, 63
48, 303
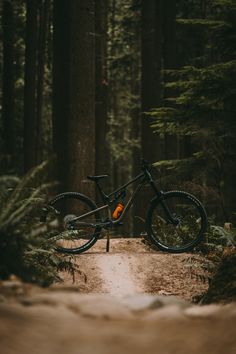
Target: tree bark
81, 125
102, 153
169, 57
151, 74
136, 120
151, 93
8, 78
74, 93
42, 39
30, 86
61, 88
113, 88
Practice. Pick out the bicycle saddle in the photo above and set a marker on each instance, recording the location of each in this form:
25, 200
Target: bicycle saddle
96, 178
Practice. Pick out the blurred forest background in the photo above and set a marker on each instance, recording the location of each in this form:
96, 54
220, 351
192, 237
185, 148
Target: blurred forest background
96, 85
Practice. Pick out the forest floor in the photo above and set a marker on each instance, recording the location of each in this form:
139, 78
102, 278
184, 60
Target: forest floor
130, 300
132, 267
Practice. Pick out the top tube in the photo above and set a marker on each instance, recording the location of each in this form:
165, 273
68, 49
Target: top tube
144, 167
127, 184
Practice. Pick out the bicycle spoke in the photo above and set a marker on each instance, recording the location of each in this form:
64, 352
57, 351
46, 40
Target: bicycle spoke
180, 224
73, 235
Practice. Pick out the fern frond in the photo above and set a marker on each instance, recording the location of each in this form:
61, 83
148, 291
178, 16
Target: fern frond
14, 217
25, 249
26, 181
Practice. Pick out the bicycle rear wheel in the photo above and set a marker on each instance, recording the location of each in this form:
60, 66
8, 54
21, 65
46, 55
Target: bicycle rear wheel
188, 228
73, 237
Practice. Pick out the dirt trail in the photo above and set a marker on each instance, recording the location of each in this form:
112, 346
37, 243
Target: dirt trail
117, 276
122, 307
131, 267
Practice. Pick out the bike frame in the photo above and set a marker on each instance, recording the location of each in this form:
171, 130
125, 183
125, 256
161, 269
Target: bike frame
113, 197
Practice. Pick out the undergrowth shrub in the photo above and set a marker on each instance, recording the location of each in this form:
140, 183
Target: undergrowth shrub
25, 248
218, 249
218, 238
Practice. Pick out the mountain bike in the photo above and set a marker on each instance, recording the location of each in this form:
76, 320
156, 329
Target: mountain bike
176, 221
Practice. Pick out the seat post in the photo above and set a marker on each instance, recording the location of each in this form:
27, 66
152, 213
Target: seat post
105, 198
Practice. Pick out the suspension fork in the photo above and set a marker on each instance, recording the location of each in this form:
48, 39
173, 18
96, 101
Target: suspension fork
170, 218
160, 195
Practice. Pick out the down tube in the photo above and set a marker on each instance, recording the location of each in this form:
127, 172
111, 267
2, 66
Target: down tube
130, 202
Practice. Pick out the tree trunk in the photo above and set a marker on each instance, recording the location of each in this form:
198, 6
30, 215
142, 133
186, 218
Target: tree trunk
61, 88
113, 106
43, 26
81, 142
151, 74
151, 94
102, 151
74, 93
30, 86
169, 57
136, 120
8, 78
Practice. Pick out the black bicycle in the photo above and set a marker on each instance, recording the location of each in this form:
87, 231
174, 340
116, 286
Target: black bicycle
176, 221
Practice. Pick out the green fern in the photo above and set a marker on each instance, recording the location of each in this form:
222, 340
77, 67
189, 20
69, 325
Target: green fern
26, 250
218, 237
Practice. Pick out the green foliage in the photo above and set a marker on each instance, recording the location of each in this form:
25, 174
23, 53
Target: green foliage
200, 268
14, 164
220, 243
25, 249
223, 285
217, 238
203, 106
124, 18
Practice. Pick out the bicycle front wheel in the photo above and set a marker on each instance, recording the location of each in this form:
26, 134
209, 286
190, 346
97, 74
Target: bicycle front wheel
73, 237
177, 222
